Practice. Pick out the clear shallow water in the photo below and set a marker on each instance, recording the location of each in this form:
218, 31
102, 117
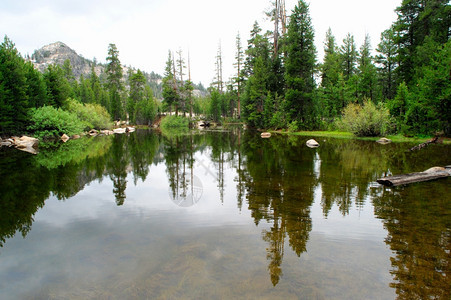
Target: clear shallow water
222, 215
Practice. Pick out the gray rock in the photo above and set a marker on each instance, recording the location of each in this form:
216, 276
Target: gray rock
383, 141
65, 138
27, 144
312, 143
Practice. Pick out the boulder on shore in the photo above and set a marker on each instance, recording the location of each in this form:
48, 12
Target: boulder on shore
106, 132
312, 143
93, 132
26, 143
383, 141
265, 135
65, 138
7, 142
119, 130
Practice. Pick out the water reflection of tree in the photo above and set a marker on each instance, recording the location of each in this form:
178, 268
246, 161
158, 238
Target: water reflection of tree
275, 193
347, 168
419, 234
64, 170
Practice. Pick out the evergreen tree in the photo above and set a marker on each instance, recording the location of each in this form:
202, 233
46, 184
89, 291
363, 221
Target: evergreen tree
58, 88
398, 105
239, 58
137, 94
367, 73
215, 105
13, 89
114, 81
258, 67
300, 67
37, 89
331, 73
387, 61
146, 108
348, 55
97, 88
170, 96
419, 20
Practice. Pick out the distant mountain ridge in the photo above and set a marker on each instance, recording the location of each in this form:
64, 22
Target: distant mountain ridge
58, 52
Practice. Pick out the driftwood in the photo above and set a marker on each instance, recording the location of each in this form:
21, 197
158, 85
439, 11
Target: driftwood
422, 145
430, 174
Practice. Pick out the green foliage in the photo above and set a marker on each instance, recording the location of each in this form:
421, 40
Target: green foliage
13, 89
58, 87
170, 97
293, 126
48, 121
398, 105
174, 122
300, 67
92, 115
215, 105
366, 120
74, 151
114, 82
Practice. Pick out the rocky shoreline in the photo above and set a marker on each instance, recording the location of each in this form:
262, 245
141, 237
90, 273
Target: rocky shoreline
30, 144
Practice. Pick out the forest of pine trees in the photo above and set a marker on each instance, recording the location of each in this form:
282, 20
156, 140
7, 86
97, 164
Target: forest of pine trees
279, 83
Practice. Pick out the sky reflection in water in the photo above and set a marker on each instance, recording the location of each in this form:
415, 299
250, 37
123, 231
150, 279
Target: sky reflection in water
274, 219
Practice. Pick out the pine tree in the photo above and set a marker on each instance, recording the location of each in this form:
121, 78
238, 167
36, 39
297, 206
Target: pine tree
387, 63
37, 89
331, 73
170, 96
239, 58
13, 89
137, 94
114, 82
300, 67
367, 74
58, 88
348, 55
258, 67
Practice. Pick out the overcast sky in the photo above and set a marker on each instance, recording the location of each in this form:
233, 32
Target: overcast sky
144, 30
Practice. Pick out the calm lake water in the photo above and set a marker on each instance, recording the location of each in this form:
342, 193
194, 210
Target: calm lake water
222, 215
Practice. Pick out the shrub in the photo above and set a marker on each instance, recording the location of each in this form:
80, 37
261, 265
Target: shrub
48, 121
366, 120
93, 115
293, 126
172, 122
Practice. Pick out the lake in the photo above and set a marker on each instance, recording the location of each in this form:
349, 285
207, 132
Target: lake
222, 215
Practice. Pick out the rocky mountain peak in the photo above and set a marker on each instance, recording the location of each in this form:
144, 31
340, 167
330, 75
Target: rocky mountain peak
57, 53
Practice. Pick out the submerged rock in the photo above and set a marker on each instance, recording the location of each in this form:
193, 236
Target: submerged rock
312, 143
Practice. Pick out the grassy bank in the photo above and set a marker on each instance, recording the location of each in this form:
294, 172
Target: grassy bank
348, 135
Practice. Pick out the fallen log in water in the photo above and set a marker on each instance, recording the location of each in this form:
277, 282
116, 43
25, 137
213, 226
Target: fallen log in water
430, 174
434, 140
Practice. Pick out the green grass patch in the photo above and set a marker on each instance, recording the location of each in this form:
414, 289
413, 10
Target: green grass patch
348, 135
